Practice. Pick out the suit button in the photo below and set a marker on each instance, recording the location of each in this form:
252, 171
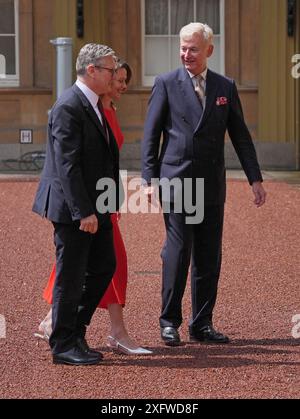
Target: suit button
214, 161
214, 140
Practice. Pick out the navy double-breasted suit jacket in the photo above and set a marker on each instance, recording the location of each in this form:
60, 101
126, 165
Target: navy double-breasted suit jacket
77, 156
193, 141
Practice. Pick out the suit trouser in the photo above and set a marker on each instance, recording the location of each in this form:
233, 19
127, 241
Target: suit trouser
200, 245
85, 264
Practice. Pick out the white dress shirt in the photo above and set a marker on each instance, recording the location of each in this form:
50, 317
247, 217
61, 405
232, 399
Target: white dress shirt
91, 96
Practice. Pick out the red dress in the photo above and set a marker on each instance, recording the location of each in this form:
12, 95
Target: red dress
116, 292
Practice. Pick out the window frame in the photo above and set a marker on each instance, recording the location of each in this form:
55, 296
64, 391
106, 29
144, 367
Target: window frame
148, 81
14, 79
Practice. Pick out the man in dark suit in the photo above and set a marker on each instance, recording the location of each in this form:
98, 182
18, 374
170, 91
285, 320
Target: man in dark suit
81, 150
193, 107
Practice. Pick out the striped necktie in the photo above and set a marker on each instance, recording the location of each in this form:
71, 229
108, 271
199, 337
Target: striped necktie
199, 89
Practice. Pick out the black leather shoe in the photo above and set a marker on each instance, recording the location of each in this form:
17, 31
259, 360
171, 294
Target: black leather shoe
208, 334
76, 356
82, 344
170, 336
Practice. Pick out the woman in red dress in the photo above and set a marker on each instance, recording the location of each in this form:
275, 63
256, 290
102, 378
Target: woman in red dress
115, 296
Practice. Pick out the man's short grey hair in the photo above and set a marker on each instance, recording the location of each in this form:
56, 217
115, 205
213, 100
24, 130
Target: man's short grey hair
201, 29
92, 54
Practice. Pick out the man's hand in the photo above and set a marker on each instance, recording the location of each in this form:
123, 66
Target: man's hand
89, 224
259, 193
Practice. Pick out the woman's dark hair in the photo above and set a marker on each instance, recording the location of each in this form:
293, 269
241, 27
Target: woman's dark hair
123, 64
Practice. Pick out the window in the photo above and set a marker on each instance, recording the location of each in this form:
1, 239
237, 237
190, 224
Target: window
9, 43
162, 21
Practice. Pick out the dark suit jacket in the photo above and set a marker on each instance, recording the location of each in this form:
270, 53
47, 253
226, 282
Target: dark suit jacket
77, 156
193, 142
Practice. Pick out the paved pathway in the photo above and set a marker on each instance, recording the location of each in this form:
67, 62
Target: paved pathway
258, 298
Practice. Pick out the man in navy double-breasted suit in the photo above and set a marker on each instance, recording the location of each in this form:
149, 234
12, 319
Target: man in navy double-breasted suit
192, 107
81, 150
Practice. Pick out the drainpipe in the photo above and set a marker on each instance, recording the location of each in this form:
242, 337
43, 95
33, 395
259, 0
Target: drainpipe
63, 63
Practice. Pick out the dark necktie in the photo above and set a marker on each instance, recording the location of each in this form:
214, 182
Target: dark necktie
104, 122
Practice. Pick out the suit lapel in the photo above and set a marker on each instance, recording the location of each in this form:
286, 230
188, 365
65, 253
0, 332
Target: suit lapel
211, 89
193, 111
89, 109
